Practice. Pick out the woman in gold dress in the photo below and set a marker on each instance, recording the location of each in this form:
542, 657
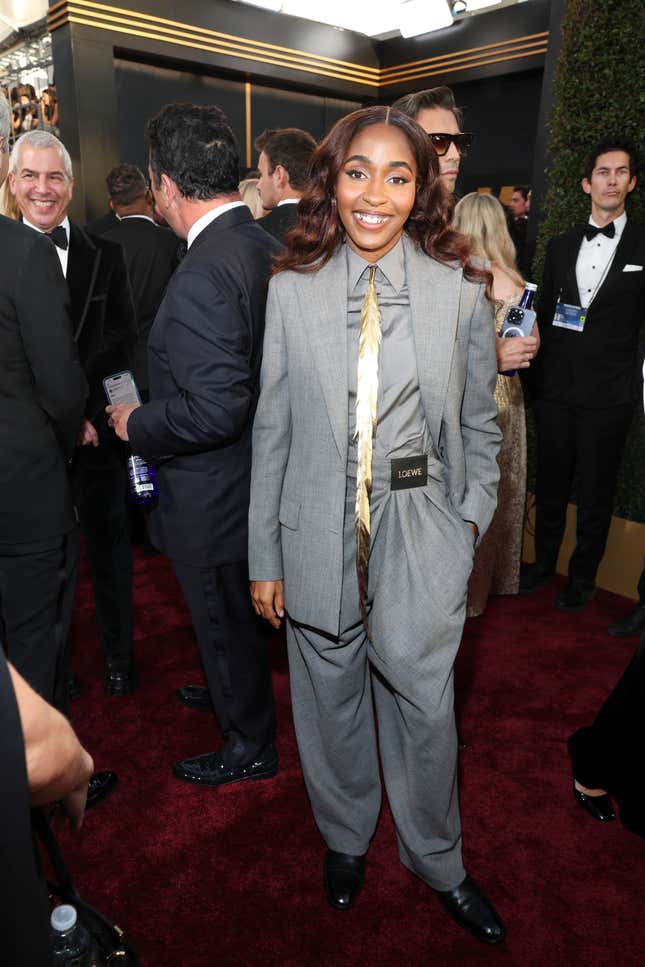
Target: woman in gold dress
496, 569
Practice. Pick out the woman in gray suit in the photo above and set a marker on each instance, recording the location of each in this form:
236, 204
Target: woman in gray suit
374, 473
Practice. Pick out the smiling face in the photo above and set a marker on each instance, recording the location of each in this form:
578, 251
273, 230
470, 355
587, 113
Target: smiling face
375, 190
609, 185
439, 120
41, 187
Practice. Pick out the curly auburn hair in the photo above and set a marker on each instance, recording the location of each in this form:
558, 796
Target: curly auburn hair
312, 242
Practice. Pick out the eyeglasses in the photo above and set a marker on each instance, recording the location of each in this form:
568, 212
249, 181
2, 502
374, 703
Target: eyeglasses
441, 143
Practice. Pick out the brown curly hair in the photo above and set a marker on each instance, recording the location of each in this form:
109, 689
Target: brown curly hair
319, 232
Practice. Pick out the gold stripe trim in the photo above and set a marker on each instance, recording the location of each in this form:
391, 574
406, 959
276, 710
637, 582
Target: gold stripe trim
143, 25
247, 113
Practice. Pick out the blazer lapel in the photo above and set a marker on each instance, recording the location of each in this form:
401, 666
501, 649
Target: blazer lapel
82, 269
323, 303
623, 253
434, 290
571, 293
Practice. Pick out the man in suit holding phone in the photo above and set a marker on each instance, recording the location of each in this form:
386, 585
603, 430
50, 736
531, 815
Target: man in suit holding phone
204, 355
587, 377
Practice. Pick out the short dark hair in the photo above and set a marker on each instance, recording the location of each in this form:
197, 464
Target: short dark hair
413, 104
292, 148
262, 138
125, 184
523, 190
195, 146
618, 143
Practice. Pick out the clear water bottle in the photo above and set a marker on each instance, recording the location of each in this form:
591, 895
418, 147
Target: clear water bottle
71, 944
143, 481
526, 302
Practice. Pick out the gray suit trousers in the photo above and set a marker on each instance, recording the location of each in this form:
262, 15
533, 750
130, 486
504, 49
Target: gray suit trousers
420, 559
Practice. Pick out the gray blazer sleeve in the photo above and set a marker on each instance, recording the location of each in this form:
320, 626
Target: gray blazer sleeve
271, 443
480, 432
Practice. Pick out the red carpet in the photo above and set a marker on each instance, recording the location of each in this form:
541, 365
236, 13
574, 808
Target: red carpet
233, 877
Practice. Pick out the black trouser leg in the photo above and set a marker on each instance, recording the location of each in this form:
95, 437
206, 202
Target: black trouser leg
31, 592
234, 649
600, 441
64, 667
101, 502
555, 465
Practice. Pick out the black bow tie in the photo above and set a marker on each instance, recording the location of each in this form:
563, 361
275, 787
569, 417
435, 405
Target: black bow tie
591, 231
58, 237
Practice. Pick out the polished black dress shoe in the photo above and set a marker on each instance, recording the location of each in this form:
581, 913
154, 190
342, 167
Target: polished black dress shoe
574, 598
119, 679
210, 770
533, 577
100, 785
631, 625
469, 907
344, 876
600, 807
194, 696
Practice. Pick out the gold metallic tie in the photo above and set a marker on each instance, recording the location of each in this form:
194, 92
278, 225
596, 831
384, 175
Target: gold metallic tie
366, 395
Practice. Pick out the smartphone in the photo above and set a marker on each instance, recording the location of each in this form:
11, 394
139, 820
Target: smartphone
121, 388
517, 322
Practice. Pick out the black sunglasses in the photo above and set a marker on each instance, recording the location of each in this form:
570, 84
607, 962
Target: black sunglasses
441, 143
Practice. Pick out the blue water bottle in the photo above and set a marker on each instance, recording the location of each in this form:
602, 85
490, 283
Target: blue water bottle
143, 481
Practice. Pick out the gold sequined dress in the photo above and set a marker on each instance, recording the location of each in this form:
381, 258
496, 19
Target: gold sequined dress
496, 569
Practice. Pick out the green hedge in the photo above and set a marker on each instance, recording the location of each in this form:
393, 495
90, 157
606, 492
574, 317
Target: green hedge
598, 91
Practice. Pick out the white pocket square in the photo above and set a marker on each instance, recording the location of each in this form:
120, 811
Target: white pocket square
633, 268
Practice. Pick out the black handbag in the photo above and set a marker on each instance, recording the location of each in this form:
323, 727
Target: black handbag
111, 948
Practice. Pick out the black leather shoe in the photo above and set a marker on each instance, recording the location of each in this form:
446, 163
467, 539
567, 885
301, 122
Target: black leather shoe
470, 908
533, 577
210, 770
574, 598
194, 696
344, 876
600, 807
631, 625
100, 785
74, 688
119, 680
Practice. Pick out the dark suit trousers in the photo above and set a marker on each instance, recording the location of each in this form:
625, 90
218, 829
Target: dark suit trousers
587, 445
32, 616
234, 649
609, 753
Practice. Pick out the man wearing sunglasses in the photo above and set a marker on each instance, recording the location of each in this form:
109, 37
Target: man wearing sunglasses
435, 110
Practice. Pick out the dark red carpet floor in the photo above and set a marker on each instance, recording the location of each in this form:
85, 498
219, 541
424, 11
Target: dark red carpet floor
232, 877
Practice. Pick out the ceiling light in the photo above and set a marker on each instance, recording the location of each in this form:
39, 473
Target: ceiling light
481, 4
458, 6
420, 17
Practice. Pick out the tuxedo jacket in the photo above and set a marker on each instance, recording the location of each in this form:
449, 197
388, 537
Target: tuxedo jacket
301, 436
104, 321
600, 366
151, 258
42, 388
204, 355
280, 220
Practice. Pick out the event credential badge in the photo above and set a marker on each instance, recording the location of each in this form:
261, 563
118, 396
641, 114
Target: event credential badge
569, 317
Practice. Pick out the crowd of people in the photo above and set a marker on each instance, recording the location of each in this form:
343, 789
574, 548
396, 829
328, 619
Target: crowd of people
337, 425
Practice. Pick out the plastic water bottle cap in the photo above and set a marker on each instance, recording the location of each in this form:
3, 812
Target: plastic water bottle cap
63, 918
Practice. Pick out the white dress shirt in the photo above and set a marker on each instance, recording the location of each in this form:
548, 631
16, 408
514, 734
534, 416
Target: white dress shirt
594, 260
288, 201
209, 217
63, 253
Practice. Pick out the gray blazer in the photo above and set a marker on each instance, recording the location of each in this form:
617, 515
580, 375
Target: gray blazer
300, 434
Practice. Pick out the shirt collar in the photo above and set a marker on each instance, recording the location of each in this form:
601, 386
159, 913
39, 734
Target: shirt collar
392, 265
64, 224
124, 218
197, 227
619, 224
288, 201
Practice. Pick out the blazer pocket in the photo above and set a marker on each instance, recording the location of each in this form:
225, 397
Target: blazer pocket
289, 514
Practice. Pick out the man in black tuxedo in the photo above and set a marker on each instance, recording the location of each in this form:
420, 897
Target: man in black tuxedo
42, 396
204, 356
105, 331
283, 165
587, 375
150, 254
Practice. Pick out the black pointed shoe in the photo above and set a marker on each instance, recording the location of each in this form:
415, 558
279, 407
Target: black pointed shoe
209, 769
194, 696
600, 807
574, 597
344, 876
631, 625
100, 785
534, 576
470, 908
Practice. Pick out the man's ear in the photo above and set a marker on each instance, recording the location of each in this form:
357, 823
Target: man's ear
586, 186
282, 177
111, 205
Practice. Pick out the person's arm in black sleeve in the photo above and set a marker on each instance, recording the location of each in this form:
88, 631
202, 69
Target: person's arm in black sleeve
207, 342
46, 330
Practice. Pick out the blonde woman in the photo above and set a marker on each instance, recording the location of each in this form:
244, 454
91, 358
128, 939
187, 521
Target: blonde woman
496, 569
